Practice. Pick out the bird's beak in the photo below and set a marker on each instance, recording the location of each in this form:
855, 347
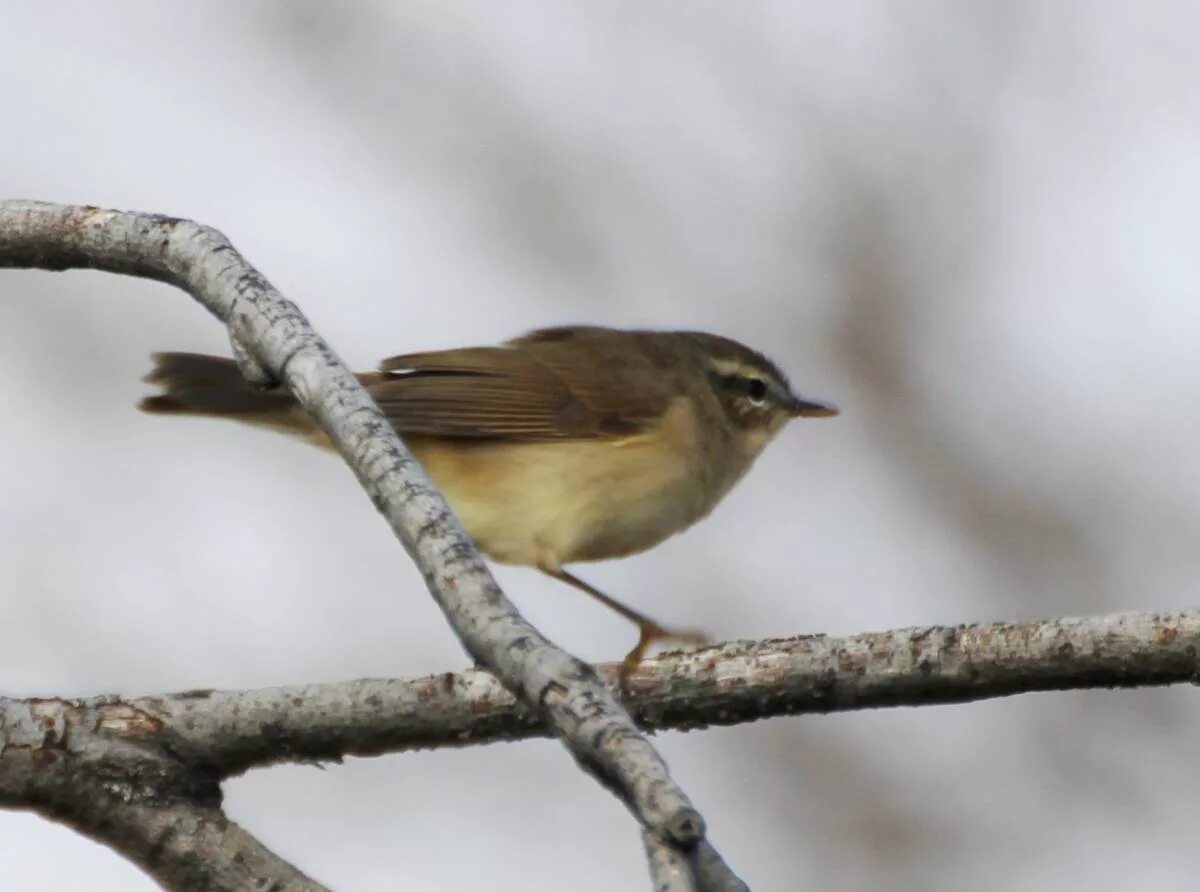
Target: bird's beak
800, 407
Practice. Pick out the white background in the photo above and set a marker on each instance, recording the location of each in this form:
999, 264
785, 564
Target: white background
972, 225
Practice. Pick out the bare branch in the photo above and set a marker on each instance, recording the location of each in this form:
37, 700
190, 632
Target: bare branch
128, 767
91, 766
188, 846
223, 733
669, 868
276, 341
700, 869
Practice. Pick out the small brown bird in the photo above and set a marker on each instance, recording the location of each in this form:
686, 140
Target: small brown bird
567, 444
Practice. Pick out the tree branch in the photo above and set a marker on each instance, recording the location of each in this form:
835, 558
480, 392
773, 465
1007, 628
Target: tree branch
273, 340
218, 734
188, 846
117, 775
142, 773
669, 869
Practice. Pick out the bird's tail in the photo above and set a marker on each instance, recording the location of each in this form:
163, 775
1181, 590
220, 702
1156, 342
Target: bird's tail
195, 384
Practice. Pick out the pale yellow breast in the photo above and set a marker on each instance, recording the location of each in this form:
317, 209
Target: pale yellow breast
548, 504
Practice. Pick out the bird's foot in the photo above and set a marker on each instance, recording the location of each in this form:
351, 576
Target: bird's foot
650, 634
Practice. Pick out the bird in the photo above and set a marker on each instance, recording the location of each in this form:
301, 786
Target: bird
564, 445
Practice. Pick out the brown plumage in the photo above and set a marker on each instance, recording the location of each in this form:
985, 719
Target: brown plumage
567, 444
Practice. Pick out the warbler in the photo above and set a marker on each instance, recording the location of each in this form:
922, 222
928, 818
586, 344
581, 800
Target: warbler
565, 445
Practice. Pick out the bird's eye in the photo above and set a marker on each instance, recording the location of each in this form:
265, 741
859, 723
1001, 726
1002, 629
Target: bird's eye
754, 389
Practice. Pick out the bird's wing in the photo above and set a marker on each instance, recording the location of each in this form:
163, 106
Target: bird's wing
555, 384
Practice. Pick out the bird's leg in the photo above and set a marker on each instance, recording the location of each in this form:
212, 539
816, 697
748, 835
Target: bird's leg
649, 630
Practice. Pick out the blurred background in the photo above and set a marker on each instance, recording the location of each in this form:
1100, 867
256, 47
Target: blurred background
964, 222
